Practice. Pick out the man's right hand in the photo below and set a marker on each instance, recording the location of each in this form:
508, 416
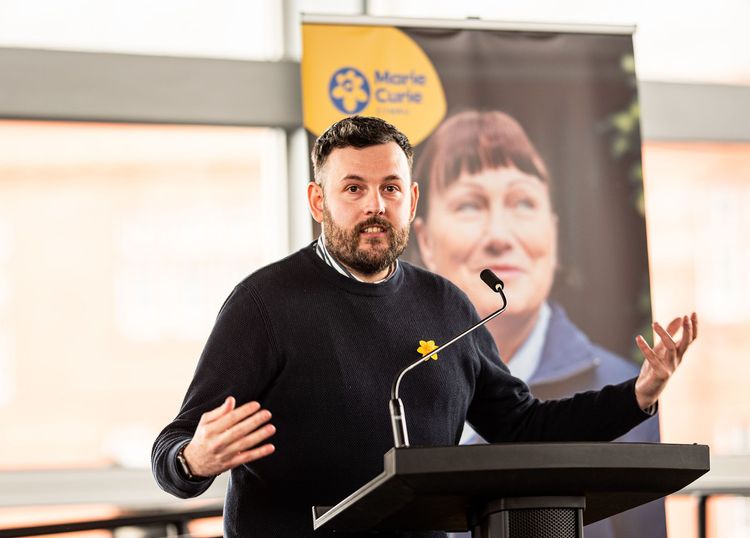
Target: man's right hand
227, 437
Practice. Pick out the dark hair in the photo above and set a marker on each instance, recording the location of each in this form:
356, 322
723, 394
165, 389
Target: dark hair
358, 132
473, 141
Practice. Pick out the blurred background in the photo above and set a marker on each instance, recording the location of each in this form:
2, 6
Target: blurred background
152, 155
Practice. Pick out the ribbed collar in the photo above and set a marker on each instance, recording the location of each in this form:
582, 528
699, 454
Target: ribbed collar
390, 286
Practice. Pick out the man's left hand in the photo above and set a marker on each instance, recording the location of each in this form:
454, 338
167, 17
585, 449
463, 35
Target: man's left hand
662, 360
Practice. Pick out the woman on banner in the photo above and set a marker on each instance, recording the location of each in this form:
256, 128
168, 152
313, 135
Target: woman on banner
486, 204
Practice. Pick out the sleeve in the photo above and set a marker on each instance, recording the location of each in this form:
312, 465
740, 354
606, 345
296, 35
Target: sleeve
240, 359
503, 409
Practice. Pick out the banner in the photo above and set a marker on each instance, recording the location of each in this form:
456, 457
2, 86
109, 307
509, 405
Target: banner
528, 157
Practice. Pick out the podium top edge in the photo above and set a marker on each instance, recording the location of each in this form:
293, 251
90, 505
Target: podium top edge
611, 446
550, 455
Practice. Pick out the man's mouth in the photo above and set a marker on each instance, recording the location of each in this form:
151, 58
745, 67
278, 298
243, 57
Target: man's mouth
373, 230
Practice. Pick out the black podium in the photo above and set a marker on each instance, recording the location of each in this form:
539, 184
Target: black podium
515, 490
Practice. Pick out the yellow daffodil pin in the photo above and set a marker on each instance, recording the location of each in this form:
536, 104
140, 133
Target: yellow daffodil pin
425, 348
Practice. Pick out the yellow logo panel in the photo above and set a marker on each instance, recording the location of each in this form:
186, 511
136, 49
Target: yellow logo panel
372, 71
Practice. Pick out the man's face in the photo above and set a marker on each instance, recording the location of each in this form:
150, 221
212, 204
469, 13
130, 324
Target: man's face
499, 219
365, 204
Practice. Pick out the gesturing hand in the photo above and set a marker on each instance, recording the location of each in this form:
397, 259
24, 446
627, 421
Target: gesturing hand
227, 437
663, 359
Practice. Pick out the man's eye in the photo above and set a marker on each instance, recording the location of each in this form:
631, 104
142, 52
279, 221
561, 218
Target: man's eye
352, 188
391, 188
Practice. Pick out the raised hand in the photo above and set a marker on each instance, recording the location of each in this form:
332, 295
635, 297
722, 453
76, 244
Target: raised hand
227, 437
662, 360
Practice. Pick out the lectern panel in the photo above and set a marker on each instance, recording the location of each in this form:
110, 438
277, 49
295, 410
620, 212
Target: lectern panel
441, 488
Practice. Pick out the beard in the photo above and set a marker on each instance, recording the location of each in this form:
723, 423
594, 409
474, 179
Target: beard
343, 244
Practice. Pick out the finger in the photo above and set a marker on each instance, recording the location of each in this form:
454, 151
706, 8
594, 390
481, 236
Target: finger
252, 439
241, 429
694, 320
672, 329
646, 350
665, 338
216, 413
230, 419
251, 455
687, 336
653, 359
674, 325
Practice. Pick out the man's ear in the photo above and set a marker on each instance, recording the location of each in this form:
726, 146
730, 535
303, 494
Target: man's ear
315, 200
424, 242
414, 190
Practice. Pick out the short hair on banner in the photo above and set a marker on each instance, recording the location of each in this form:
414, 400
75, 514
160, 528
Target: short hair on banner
471, 142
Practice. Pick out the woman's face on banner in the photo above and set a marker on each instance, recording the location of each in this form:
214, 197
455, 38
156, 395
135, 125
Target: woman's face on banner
499, 219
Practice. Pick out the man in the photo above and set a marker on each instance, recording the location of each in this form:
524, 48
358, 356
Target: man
318, 337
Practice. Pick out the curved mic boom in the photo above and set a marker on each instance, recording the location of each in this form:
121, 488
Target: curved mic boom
396, 407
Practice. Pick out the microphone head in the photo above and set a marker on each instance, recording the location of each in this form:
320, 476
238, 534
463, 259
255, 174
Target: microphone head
491, 280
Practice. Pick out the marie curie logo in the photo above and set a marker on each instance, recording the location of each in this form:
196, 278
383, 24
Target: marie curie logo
349, 90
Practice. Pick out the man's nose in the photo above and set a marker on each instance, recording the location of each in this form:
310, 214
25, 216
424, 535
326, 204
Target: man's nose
375, 205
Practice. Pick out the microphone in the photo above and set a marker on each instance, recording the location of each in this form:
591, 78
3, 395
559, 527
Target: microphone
396, 406
491, 280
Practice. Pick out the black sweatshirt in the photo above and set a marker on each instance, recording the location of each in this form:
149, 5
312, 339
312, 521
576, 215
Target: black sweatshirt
320, 351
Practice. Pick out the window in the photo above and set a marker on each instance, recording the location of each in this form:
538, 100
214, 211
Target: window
697, 197
118, 245
218, 29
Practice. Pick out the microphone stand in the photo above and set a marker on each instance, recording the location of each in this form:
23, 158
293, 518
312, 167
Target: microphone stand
396, 406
